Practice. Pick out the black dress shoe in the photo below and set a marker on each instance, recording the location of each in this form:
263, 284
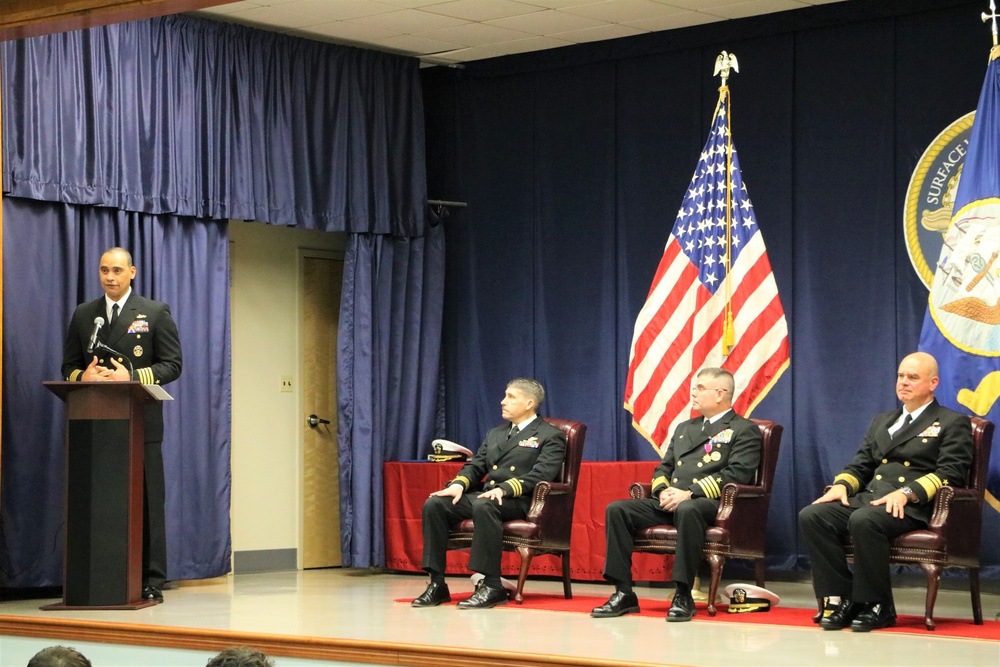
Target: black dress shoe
877, 616
151, 593
842, 616
682, 608
618, 604
433, 595
485, 597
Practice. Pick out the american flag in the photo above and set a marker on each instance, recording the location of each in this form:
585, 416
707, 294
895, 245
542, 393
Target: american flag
704, 309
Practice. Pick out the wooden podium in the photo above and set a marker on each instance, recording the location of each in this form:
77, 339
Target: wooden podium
104, 483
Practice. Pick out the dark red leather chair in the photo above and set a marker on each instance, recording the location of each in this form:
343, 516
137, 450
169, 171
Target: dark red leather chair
549, 523
740, 524
953, 535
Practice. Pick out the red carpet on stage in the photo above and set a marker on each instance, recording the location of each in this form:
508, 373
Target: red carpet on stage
779, 615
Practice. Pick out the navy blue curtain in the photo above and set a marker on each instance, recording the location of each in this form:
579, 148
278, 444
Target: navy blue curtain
574, 163
182, 118
388, 358
181, 261
200, 118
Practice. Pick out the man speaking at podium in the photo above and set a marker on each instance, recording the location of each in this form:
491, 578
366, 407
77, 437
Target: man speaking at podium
120, 337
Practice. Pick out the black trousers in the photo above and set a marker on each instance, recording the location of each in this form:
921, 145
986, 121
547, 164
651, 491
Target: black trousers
154, 529
871, 529
439, 514
624, 517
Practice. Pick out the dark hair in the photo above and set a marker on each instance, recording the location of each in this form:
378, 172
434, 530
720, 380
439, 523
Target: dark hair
240, 656
59, 656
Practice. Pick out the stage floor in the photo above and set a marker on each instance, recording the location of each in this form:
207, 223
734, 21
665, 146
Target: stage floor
350, 617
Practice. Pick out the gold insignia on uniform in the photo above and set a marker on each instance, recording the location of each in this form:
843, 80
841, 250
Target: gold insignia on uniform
716, 456
137, 351
706, 458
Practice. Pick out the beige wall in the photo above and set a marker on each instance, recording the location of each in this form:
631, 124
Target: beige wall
267, 423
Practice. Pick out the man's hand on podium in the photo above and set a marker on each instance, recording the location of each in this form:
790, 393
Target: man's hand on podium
95, 373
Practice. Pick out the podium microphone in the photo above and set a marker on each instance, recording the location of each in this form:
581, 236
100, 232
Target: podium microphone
98, 323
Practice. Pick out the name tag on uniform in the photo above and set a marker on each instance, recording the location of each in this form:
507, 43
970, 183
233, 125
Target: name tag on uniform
531, 442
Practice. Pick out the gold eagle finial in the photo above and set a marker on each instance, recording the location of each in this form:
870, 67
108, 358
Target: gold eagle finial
724, 63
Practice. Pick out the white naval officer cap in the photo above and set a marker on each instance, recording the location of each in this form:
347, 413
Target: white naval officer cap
446, 450
746, 598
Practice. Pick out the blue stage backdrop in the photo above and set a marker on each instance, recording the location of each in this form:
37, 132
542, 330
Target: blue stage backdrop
152, 134
574, 163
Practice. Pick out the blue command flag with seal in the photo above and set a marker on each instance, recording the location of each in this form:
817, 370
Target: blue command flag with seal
962, 325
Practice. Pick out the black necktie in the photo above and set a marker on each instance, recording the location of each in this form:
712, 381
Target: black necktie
906, 422
514, 430
114, 316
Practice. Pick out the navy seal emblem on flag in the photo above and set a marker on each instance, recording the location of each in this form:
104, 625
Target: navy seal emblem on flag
930, 197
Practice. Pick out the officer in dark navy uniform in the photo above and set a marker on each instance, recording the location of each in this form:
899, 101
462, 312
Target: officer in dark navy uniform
145, 336
704, 454
496, 485
888, 489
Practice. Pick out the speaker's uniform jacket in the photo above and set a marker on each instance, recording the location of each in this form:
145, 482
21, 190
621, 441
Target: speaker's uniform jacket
146, 337
145, 334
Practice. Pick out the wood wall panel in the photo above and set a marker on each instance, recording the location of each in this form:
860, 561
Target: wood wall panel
29, 18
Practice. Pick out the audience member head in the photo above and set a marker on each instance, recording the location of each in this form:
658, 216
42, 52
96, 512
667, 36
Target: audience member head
59, 656
240, 656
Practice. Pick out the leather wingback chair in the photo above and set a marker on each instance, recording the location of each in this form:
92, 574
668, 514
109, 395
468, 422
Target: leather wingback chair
548, 526
952, 537
740, 526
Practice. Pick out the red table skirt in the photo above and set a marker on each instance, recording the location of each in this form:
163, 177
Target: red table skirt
407, 485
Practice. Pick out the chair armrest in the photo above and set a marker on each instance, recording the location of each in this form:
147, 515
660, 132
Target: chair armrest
956, 505
957, 517
733, 490
742, 511
640, 490
547, 492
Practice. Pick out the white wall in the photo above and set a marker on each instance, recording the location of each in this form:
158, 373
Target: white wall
266, 451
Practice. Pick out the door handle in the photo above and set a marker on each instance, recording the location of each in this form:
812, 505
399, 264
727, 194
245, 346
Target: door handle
315, 421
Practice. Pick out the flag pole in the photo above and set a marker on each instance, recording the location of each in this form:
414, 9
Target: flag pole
995, 52
723, 64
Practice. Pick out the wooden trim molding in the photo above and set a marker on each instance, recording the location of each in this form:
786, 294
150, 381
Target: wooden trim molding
312, 648
30, 18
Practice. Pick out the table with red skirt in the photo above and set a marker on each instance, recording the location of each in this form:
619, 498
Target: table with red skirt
407, 485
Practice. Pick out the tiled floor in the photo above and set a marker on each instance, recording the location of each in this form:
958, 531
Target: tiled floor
358, 604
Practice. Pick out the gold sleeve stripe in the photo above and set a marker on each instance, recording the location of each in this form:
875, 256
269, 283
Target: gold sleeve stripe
661, 480
931, 484
710, 487
851, 480
75, 376
145, 375
516, 487
461, 479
